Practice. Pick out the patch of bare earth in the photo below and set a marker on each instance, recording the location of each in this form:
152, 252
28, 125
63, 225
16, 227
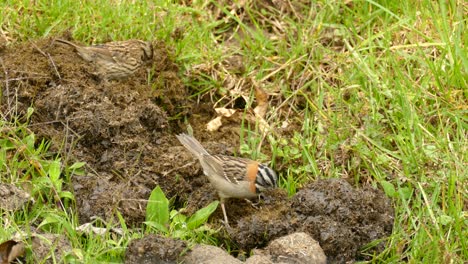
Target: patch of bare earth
120, 129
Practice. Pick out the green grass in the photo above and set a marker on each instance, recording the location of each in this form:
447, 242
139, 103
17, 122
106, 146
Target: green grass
375, 91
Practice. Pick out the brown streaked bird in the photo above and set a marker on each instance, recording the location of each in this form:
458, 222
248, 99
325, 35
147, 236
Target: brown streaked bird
115, 60
232, 177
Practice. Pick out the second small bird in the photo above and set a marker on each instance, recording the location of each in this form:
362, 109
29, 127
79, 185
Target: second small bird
232, 177
115, 60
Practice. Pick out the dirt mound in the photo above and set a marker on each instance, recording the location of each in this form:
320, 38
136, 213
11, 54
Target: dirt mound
341, 218
124, 131
121, 129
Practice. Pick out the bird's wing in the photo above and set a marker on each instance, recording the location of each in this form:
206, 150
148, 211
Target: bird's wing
96, 54
233, 169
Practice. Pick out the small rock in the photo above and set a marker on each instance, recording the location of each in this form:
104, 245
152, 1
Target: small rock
296, 248
43, 244
204, 254
154, 249
259, 259
12, 198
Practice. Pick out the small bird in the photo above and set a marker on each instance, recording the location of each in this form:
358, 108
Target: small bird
115, 60
232, 177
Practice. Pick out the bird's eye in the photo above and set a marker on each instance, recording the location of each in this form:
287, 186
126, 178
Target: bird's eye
147, 55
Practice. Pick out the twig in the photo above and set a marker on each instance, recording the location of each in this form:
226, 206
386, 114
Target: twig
47, 55
27, 78
7, 85
282, 67
7, 89
165, 173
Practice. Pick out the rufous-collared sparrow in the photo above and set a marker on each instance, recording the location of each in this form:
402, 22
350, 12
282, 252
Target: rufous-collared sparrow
232, 177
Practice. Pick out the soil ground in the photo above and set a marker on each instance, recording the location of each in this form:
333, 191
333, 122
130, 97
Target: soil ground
125, 132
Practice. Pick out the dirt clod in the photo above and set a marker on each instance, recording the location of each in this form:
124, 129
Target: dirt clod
209, 255
44, 244
343, 218
154, 249
340, 217
296, 248
12, 198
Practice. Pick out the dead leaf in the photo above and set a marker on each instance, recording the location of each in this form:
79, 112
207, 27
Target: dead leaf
225, 112
10, 250
263, 125
262, 102
88, 228
214, 124
261, 109
257, 115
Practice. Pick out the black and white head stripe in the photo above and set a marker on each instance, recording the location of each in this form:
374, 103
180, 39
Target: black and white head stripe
266, 178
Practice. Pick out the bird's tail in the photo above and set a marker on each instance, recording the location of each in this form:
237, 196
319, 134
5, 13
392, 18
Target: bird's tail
192, 145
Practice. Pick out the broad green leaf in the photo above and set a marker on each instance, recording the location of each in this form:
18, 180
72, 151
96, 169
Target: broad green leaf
388, 188
6, 144
445, 219
29, 141
29, 112
201, 216
178, 218
54, 171
179, 233
49, 220
157, 209
67, 194
173, 213
122, 222
405, 192
58, 185
157, 226
42, 181
77, 165
77, 168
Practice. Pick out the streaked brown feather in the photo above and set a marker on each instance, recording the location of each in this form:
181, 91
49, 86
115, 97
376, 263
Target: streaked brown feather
115, 60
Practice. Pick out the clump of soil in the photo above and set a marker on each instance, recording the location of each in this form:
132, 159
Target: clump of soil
121, 129
341, 218
154, 249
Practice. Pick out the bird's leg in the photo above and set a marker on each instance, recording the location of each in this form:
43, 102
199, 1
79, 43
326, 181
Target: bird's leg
255, 205
224, 212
